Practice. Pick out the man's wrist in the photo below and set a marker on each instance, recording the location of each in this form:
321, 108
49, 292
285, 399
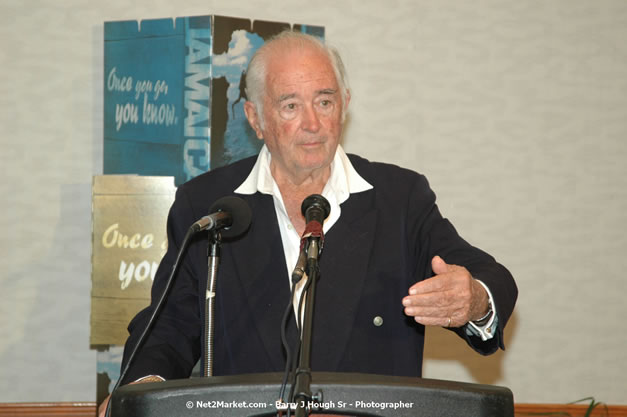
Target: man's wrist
484, 327
484, 305
486, 318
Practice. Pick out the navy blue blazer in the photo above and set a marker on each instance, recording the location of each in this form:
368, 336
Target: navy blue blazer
382, 244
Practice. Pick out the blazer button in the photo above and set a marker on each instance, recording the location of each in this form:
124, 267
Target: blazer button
378, 321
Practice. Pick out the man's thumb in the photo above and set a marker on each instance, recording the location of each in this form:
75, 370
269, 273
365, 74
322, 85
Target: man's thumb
438, 265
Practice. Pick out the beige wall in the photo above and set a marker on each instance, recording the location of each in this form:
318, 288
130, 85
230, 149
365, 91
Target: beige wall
515, 110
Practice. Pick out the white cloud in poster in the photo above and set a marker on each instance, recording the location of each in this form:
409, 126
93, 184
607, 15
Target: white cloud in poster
240, 51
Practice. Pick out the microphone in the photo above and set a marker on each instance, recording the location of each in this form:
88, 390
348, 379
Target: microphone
315, 208
230, 213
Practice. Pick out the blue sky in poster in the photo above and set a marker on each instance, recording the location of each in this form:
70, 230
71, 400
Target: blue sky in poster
238, 142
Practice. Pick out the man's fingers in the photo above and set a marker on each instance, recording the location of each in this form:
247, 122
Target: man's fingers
437, 299
438, 283
422, 306
436, 321
443, 273
442, 300
433, 284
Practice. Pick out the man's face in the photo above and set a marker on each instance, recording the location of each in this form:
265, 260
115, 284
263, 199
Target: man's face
302, 112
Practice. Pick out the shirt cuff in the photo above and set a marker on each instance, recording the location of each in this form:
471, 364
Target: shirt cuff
488, 330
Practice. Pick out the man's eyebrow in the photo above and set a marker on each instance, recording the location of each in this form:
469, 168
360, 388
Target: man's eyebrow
286, 97
324, 91
327, 91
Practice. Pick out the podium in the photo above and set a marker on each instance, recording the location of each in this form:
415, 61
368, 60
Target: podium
342, 393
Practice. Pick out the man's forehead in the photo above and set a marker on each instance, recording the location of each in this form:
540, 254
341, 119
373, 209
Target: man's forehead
279, 90
319, 92
293, 56
291, 72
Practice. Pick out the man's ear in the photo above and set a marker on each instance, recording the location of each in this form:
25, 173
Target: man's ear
253, 118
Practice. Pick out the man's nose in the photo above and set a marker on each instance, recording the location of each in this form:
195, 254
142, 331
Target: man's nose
311, 120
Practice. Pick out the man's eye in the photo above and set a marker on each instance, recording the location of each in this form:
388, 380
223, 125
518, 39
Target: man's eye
291, 106
326, 104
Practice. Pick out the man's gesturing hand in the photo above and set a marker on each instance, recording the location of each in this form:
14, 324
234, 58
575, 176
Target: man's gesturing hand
451, 298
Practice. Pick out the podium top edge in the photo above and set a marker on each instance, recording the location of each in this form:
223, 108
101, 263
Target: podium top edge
327, 379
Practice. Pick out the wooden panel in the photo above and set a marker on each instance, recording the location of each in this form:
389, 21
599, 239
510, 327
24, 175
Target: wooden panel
129, 238
572, 410
87, 409
106, 328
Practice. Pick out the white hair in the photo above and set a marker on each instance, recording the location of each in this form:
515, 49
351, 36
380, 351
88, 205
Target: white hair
288, 39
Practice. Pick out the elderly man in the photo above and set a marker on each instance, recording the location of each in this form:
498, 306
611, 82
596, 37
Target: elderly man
391, 263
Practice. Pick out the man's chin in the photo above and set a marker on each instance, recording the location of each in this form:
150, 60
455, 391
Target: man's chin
312, 164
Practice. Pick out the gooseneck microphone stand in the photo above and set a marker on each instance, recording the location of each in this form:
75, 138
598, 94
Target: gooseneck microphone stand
213, 260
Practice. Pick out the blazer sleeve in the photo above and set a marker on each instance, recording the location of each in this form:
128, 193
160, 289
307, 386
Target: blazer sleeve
435, 235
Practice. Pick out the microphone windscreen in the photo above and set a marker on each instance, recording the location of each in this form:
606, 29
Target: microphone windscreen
315, 207
239, 211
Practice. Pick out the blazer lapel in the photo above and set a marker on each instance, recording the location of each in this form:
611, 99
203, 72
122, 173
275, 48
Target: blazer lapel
343, 265
259, 261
